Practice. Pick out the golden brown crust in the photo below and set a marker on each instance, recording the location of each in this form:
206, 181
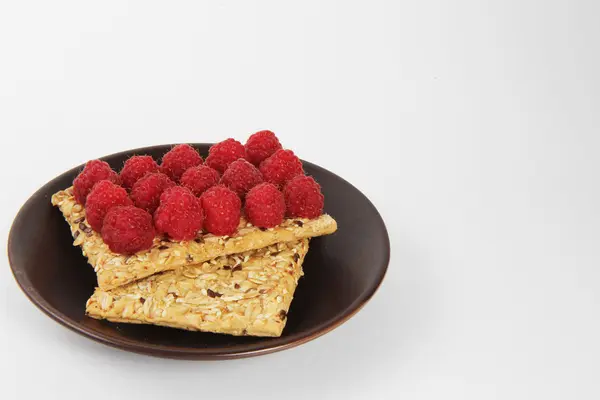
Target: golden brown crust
241, 294
114, 270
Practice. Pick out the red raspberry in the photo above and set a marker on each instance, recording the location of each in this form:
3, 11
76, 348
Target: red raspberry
135, 168
222, 208
241, 176
303, 197
128, 229
178, 159
282, 166
146, 192
265, 206
179, 214
199, 178
94, 172
222, 154
104, 196
261, 146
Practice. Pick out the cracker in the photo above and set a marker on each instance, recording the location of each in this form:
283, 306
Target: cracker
114, 270
242, 294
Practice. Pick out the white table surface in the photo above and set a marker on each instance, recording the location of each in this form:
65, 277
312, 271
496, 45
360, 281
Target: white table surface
472, 125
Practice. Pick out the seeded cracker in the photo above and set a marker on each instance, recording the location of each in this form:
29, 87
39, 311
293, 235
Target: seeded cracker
114, 270
241, 294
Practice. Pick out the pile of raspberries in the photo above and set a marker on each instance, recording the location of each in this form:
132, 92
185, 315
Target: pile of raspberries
185, 195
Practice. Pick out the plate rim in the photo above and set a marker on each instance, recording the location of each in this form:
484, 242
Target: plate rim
166, 351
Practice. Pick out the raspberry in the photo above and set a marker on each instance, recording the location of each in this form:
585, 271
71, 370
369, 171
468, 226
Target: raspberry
222, 208
241, 176
199, 178
146, 192
282, 166
261, 146
128, 229
303, 197
265, 206
179, 214
178, 159
222, 154
93, 172
104, 196
135, 168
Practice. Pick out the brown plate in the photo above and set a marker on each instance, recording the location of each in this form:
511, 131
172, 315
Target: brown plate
342, 272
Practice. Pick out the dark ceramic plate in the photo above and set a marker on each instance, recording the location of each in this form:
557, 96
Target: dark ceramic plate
342, 272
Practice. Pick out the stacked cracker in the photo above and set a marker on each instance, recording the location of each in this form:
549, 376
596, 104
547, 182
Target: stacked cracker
239, 285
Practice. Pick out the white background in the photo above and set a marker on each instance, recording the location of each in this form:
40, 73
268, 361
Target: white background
472, 125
